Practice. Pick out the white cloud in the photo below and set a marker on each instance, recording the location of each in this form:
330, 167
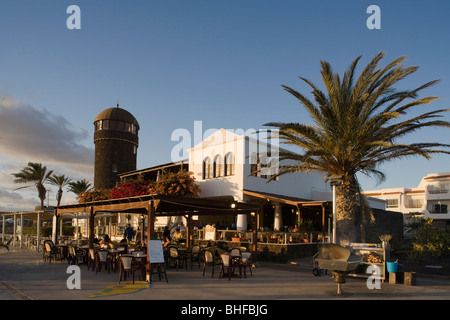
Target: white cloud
31, 135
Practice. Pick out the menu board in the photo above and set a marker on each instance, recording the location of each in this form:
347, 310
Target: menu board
210, 232
155, 251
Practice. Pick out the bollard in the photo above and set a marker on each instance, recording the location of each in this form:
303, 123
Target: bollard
410, 279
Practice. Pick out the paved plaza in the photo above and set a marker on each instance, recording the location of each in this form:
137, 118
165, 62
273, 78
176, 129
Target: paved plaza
24, 276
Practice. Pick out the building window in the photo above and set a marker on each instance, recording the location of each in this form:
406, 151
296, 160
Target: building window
229, 164
262, 169
254, 165
440, 208
218, 166
392, 203
207, 168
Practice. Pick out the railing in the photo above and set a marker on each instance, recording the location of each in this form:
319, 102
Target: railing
281, 237
270, 237
437, 191
414, 205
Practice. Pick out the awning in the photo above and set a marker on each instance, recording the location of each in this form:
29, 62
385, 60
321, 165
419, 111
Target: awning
294, 201
84, 215
164, 206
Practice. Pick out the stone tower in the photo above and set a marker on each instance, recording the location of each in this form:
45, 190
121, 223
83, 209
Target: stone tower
116, 142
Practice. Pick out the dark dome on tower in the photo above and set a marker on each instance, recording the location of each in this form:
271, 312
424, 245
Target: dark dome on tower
117, 114
116, 142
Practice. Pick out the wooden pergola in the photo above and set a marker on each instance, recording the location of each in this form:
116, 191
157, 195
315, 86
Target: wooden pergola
157, 205
293, 201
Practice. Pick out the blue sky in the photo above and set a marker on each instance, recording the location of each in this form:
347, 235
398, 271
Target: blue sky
171, 63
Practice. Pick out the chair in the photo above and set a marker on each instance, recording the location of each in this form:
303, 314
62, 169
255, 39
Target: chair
91, 259
226, 264
75, 254
139, 260
246, 262
236, 255
177, 257
102, 258
6, 245
50, 251
195, 255
127, 266
210, 261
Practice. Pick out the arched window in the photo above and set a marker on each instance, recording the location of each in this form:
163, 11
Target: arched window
229, 164
207, 168
218, 166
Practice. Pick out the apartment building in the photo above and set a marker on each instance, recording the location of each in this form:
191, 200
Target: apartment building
431, 198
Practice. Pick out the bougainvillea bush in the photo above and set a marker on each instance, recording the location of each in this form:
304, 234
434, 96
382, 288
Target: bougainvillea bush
130, 189
170, 183
178, 184
94, 195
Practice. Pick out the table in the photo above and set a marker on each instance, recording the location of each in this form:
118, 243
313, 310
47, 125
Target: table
141, 259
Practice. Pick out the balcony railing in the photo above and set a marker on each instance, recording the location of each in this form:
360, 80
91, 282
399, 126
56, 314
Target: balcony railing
437, 191
414, 205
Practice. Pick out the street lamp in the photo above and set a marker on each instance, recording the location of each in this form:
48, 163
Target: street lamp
334, 181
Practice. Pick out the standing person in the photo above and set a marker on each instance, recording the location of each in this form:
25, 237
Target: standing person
129, 233
166, 232
138, 235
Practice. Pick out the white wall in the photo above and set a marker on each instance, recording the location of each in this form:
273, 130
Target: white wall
306, 186
220, 143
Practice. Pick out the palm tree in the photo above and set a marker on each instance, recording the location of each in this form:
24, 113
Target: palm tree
37, 174
59, 181
357, 127
79, 187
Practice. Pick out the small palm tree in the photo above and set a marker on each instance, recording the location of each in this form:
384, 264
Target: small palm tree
356, 128
79, 187
59, 181
37, 174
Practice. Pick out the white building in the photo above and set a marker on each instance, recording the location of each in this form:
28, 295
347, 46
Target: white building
430, 198
227, 164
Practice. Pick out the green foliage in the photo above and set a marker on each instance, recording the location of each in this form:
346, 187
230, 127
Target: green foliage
358, 122
44, 231
431, 241
47, 231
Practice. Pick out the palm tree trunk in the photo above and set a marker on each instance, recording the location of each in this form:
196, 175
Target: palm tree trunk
42, 194
346, 210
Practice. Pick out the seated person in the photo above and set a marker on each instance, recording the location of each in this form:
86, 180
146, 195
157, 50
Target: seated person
166, 241
178, 235
106, 239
